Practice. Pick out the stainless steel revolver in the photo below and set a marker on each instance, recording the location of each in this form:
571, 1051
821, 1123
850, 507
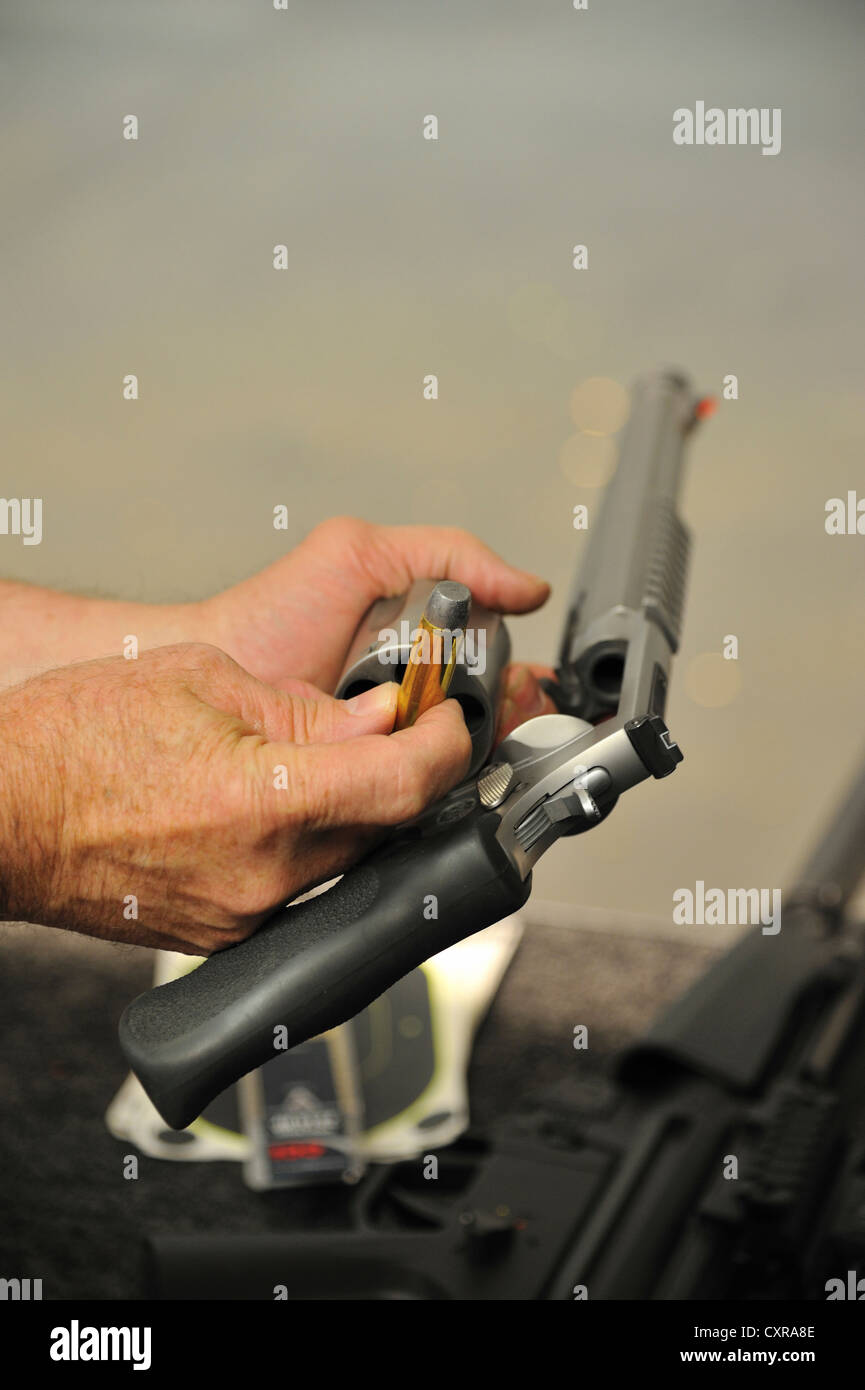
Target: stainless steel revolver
467, 861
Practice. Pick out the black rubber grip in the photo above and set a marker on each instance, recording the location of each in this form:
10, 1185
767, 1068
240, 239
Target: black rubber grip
318, 963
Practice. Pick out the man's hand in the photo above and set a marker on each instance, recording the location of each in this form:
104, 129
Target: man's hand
297, 617
174, 800
294, 619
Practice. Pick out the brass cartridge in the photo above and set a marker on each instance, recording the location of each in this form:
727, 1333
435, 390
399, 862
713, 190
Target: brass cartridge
434, 652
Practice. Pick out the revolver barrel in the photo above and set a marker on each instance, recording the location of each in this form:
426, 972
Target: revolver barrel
633, 575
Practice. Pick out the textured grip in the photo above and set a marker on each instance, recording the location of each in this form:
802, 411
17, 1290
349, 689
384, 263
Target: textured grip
316, 964
667, 570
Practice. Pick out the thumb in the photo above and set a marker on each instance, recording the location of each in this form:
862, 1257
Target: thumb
377, 781
322, 719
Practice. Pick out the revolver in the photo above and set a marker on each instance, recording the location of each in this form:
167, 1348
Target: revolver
467, 861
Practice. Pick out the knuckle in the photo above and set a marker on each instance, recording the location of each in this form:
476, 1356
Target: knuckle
205, 654
303, 715
412, 792
342, 530
460, 536
457, 541
199, 658
321, 803
301, 798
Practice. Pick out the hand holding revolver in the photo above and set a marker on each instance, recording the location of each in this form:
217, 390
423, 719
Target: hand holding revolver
175, 799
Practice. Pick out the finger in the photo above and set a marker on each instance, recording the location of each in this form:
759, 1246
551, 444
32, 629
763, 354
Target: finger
524, 698
373, 780
291, 686
382, 560
322, 719
538, 669
298, 712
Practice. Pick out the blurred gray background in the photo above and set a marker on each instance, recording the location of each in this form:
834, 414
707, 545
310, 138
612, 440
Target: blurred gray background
409, 257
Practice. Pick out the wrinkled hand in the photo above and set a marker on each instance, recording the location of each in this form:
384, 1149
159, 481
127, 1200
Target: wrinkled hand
297, 617
180, 788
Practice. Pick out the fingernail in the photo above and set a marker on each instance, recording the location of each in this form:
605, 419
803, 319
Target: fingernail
381, 699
